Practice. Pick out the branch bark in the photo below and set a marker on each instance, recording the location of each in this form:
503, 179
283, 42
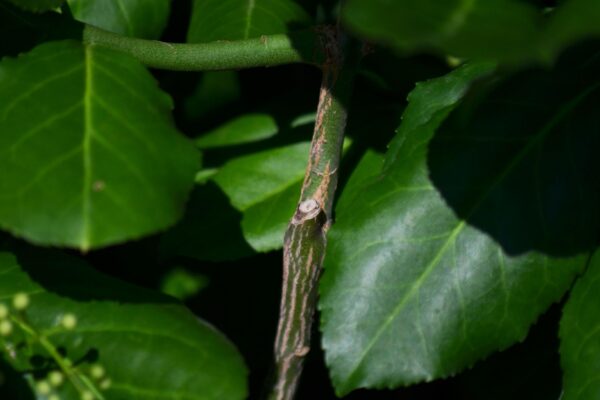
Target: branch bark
266, 51
305, 238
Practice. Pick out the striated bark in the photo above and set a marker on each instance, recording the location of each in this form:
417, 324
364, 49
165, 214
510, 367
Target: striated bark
305, 239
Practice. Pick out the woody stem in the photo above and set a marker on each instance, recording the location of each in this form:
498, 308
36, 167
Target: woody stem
305, 238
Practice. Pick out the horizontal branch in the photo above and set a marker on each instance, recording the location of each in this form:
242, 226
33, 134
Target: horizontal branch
265, 51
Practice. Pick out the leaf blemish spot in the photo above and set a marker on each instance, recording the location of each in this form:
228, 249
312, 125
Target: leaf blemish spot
98, 186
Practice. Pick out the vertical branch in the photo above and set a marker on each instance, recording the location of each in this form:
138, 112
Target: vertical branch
305, 240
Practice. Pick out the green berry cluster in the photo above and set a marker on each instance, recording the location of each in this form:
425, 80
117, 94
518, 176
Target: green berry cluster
53, 381
88, 381
19, 302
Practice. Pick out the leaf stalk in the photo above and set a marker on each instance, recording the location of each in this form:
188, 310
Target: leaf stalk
265, 51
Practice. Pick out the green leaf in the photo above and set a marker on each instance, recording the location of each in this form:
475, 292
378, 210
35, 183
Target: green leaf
463, 28
149, 346
574, 20
182, 284
243, 19
136, 18
205, 174
303, 120
254, 178
422, 274
370, 163
265, 223
504, 30
88, 153
243, 129
579, 334
265, 186
37, 5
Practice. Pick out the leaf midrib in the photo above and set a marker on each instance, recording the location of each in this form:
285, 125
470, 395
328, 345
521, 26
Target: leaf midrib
86, 239
126, 17
249, 13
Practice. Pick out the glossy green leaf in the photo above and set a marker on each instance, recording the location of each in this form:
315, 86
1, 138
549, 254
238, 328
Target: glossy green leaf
369, 165
243, 19
580, 337
136, 18
505, 30
88, 152
149, 346
37, 5
243, 129
430, 265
